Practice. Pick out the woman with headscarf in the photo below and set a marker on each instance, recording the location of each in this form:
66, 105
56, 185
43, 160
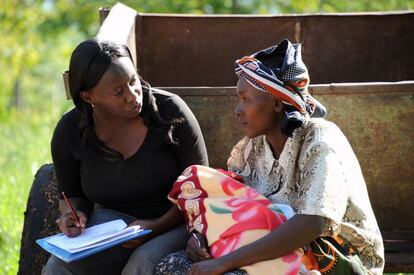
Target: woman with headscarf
288, 158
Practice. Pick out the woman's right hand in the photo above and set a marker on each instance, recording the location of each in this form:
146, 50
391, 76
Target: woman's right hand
69, 226
197, 248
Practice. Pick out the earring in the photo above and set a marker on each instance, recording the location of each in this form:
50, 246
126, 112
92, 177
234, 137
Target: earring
93, 105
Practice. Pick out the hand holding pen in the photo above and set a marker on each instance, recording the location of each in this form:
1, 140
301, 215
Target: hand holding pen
72, 222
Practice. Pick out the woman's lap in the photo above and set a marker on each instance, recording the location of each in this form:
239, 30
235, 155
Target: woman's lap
144, 259
178, 263
120, 259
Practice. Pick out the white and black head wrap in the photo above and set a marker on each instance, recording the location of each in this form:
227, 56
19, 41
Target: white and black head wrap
279, 70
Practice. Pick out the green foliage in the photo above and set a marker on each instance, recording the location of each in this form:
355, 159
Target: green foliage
24, 145
23, 139
343, 6
37, 39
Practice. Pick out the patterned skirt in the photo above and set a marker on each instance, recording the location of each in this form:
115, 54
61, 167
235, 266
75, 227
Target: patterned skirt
178, 263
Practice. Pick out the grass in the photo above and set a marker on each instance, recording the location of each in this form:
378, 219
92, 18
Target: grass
24, 146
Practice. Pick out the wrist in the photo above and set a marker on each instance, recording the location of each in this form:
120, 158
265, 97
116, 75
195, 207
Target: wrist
225, 263
154, 226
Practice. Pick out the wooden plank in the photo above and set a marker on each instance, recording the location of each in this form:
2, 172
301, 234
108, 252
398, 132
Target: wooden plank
213, 43
65, 76
315, 89
400, 258
139, 41
361, 88
399, 246
399, 262
398, 235
103, 13
325, 14
201, 50
201, 91
333, 53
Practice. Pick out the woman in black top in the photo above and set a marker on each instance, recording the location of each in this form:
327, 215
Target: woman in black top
121, 148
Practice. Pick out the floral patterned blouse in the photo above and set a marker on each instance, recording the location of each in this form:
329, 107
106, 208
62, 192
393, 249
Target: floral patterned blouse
317, 173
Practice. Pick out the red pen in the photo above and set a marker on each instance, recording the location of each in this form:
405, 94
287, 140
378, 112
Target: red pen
72, 210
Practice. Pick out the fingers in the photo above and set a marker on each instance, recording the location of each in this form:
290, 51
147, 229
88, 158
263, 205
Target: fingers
145, 224
70, 229
136, 222
196, 253
69, 226
82, 218
203, 254
202, 240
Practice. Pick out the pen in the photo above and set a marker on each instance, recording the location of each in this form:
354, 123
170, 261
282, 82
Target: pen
72, 210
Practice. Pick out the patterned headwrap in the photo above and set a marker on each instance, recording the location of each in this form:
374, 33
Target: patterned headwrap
279, 70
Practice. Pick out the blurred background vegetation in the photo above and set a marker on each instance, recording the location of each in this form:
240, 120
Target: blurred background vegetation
37, 38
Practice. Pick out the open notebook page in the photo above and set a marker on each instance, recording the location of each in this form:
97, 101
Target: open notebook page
94, 236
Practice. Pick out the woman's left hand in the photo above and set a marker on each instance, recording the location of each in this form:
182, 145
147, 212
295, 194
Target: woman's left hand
209, 267
145, 224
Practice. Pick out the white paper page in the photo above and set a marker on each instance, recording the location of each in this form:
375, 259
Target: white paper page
126, 232
89, 236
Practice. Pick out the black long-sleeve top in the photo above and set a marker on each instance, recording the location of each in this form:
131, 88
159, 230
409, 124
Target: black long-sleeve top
139, 184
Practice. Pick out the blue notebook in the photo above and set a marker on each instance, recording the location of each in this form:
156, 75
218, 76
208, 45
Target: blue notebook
69, 257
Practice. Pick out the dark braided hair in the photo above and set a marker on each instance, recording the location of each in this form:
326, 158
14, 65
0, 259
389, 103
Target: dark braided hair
88, 63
